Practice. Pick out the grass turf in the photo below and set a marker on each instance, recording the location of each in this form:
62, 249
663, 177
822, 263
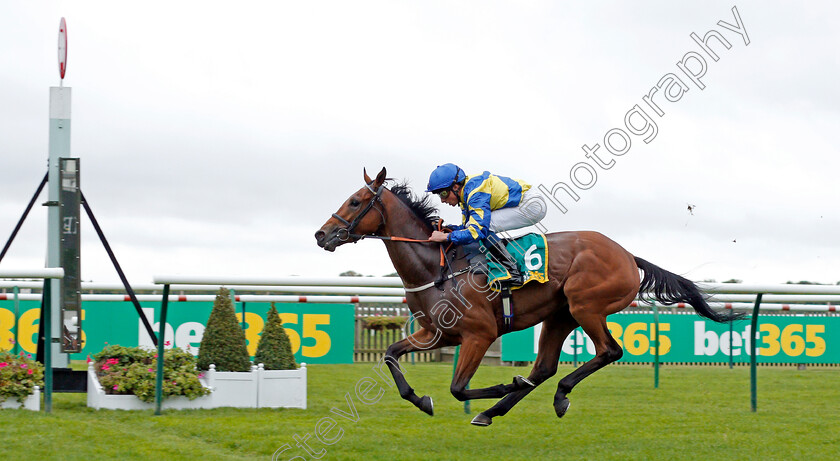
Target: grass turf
696, 413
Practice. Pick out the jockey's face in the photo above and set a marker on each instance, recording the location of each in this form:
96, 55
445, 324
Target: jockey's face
452, 198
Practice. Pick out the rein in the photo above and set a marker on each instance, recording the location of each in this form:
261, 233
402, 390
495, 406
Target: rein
395, 239
406, 239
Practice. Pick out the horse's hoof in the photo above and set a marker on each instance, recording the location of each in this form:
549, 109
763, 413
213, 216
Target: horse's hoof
521, 382
561, 407
426, 405
481, 420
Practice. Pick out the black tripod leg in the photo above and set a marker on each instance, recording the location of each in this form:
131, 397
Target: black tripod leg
23, 218
124, 280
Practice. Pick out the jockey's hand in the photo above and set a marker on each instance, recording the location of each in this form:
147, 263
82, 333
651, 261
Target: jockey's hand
438, 236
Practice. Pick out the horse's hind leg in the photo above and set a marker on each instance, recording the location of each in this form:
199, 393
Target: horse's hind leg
554, 332
607, 351
473, 348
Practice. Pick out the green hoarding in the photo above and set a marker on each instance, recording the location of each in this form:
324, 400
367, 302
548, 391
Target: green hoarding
693, 339
319, 333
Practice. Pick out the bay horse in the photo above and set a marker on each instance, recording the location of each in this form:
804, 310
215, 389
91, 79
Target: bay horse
590, 277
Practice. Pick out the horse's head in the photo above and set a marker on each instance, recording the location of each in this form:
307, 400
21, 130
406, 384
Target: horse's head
353, 219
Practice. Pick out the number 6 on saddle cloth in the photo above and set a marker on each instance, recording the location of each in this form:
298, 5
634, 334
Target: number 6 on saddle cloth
528, 255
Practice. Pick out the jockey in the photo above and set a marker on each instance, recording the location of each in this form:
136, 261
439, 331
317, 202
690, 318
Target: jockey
489, 204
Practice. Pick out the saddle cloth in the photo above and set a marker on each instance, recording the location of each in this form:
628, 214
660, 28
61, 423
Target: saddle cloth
531, 254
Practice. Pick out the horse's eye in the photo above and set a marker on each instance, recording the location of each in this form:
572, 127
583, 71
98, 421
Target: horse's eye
354, 203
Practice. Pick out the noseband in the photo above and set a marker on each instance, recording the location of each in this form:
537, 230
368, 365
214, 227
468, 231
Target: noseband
347, 232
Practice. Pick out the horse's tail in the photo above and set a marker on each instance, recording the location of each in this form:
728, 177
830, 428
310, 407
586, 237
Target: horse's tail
669, 288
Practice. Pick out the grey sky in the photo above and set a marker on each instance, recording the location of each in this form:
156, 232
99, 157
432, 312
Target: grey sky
216, 137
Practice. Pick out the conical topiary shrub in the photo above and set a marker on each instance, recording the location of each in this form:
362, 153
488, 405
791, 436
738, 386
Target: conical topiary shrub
274, 350
224, 342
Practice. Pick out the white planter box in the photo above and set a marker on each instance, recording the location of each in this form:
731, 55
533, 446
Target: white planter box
282, 388
97, 398
257, 388
33, 402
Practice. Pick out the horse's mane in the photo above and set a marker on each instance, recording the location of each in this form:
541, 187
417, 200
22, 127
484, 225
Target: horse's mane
421, 207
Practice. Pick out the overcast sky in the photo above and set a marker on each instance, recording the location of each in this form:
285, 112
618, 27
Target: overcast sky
217, 137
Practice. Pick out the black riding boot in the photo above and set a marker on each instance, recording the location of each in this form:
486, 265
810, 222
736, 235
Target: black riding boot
501, 255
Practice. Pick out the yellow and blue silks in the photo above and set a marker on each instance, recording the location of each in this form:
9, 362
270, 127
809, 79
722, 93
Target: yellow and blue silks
480, 196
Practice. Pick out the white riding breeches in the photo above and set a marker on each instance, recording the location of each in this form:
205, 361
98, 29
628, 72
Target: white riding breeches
531, 210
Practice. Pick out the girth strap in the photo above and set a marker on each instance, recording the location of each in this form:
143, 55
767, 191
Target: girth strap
431, 284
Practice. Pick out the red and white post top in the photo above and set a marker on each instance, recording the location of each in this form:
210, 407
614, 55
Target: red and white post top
62, 48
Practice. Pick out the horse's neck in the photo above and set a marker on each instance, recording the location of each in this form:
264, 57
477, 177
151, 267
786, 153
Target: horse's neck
415, 263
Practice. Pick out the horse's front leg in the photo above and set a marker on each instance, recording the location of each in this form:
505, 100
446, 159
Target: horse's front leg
421, 340
472, 351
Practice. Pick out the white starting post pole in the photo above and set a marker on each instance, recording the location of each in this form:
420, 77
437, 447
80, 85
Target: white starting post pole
59, 146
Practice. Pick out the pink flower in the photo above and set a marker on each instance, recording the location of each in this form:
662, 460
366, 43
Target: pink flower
105, 367
166, 343
3, 364
29, 356
12, 340
117, 387
201, 375
23, 365
88, 359
29, 372
151, 371
113, 361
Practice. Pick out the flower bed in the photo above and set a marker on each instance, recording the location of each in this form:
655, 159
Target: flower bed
133, 371
20, 381
128, 374
31, 402
257, 388
99, 399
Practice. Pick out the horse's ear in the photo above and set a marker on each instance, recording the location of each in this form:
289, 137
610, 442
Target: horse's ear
380, 178
367, 178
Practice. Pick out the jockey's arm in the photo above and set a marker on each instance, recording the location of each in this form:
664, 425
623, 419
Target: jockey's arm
443, 236
477, 225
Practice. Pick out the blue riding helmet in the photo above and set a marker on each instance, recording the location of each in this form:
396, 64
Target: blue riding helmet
445, 176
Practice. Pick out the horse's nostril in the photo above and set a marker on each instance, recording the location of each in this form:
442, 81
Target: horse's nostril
320, 235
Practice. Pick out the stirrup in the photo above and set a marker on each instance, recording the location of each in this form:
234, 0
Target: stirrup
507, 307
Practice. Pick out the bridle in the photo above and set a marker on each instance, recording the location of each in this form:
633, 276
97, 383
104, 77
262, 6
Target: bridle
347, 232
